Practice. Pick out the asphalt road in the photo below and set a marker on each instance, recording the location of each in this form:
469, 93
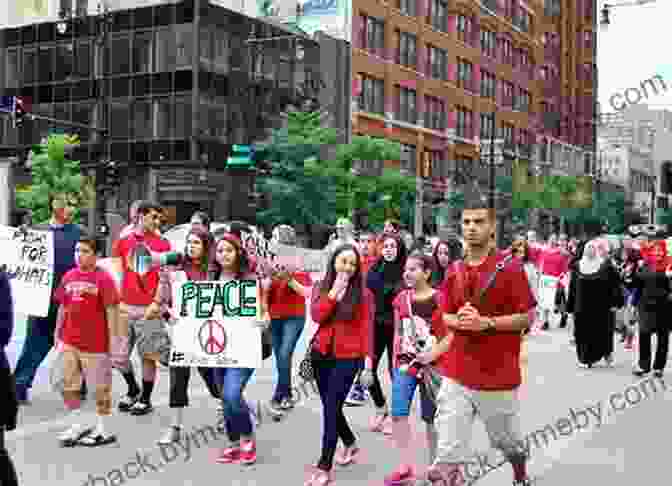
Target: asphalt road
556, 393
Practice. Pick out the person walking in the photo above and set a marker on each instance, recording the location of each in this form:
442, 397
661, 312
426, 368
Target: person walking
10, 405
487, 306
40, 330
384, 281
342, 307
285, 298
594, 297
651, 281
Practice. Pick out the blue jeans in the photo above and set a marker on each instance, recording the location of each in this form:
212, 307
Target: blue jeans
36, 347
237, 415
286, 333
334, 378
403, 391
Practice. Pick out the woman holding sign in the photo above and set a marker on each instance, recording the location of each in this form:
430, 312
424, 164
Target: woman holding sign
343, 308
231, 263
191, 265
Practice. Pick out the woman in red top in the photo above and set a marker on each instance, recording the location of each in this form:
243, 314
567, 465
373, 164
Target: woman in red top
343, 309
285, 294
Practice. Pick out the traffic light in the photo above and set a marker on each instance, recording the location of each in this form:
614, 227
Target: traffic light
241, 157
666, 178
20, 111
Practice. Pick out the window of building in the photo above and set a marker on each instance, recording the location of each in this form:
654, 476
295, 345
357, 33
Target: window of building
488, 85
29, 66
407, 50
523, 101
373, 35
465, 74
166, 57
435, 113
507, 51
142, 119
221, 51
164, 113
183, 117
489, 43
142, 52
82, 112
508, 132
507, 93
12, 69
83, 60
407, 106
464, 127
46, 64
487, 126
408, 7
464, 28
435, 167
64, 62
183, 46
587, 40
372, 96
408, 158
206, 45
437, 63
119, 54
438, 15
522, 19
120, 115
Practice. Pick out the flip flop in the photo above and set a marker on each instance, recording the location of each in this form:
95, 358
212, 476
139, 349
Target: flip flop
96, 440
73, 441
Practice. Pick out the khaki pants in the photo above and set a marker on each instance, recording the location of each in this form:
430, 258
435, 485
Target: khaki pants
150, 336
458, 406
98, 370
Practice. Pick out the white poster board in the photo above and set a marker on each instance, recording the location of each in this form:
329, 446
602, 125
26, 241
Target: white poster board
216, 325
548, 287
28, 259
293, 257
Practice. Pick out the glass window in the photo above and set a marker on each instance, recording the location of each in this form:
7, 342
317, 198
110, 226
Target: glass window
120, 55
64, 62
218, 117
182, 117
407, 105
29, 66
46, 65
83, 60
183, 45
221, 51
83, 113
142, 52
206, 44
142, 119
12, 69
120, 114
165, 51
163, 117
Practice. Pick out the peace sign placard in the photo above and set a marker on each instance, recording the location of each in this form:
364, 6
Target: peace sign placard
216, 325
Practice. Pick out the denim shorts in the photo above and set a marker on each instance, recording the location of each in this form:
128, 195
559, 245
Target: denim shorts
403, 391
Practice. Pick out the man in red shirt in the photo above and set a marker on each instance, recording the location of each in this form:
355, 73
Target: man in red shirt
480, 359
88, 334
141, 308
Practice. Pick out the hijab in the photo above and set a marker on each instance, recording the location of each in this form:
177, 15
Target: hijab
590, 264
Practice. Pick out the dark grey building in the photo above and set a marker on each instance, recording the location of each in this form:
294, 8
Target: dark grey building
172, 118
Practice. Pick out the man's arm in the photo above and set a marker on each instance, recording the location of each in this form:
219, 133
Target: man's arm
60, 317
511, 323
451, 321
114, 323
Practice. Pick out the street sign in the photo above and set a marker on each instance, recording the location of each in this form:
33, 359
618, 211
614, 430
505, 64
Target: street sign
241, 157
7, 104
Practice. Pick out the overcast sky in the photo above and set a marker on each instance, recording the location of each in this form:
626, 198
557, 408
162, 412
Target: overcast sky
635, 47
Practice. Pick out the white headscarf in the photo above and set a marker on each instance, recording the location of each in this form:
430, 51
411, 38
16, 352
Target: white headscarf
590, 264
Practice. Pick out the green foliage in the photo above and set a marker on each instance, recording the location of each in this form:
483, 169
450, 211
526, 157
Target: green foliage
609, 208
305, 189
52, 172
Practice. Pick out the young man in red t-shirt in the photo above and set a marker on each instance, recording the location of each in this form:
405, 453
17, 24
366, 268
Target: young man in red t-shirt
89, 336
480, 359
141, 308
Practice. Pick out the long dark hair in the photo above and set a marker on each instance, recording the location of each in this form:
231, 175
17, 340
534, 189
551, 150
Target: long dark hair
392, 271
454, 253
208, 247
243, 261
354, 295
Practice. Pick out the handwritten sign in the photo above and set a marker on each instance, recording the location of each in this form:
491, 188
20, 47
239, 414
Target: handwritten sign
276, 254
216, 325
28, 258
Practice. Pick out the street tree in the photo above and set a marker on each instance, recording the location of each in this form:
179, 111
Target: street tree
53, 172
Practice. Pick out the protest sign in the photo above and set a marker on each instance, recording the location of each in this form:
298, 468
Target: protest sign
276, 254
28, 258
216, 325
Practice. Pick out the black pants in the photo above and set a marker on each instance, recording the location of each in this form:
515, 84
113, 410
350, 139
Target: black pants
179, 384
662, 348
383, 340
7, 471
334, 379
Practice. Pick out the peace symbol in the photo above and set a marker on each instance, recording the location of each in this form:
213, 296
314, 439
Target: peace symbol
212, 337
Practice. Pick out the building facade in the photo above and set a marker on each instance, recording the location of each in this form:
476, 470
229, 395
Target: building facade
172, 115
440, 76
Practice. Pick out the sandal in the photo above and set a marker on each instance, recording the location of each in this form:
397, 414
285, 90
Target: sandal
75, 436
319, 478
348, 455
96, 440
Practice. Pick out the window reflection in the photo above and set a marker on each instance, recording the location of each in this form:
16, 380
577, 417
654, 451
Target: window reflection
142, 52
142, 119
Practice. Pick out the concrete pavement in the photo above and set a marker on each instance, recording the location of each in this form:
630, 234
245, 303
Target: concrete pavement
556, 387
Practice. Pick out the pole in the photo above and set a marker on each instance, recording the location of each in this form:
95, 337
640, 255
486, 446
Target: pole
419, 198
101, 203
195, 91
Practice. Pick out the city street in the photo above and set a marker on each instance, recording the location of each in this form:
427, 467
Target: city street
286, 448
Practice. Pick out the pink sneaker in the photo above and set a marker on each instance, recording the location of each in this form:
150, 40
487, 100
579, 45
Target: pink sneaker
378, 422
387, 427
228, 455
248, 452
319, 478
403, 476
347, 455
